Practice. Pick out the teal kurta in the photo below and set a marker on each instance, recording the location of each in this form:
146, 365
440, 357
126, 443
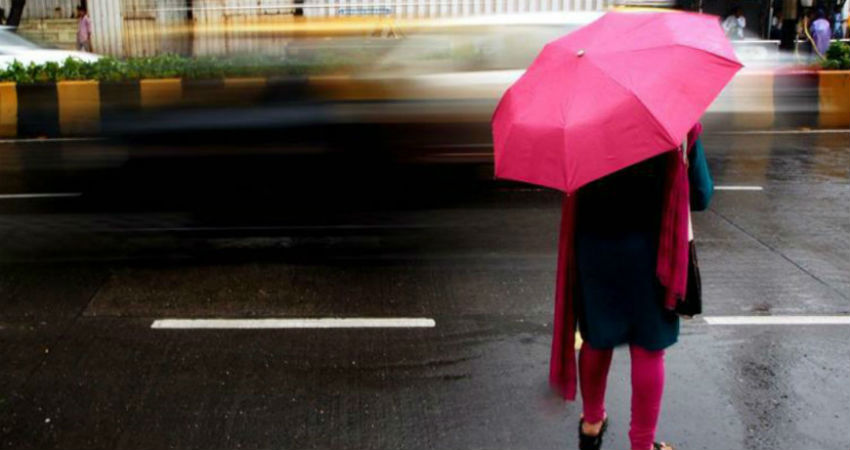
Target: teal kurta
620, 300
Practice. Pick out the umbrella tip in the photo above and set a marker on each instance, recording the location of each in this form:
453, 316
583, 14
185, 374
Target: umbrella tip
580, 53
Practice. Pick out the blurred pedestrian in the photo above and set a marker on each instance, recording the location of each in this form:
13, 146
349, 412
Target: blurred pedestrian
820, 31
776, 26
619, 223
735, 24
837, 23
84, 30
845, 19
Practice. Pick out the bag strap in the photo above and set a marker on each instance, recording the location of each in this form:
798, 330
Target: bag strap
685, 158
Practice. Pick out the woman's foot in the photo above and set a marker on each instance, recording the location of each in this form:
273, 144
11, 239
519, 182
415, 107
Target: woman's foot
661, 446
591, 429
590, 434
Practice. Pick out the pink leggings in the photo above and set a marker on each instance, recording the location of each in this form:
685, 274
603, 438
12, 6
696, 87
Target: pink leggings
647, 386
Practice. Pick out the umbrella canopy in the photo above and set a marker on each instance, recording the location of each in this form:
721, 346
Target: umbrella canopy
619, 90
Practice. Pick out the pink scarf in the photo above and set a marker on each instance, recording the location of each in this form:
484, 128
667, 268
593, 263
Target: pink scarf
672, 268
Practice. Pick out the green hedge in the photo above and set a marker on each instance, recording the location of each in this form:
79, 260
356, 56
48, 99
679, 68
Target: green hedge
168, 66
837, 57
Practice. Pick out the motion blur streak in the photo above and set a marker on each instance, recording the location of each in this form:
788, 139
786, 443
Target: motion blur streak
386, 102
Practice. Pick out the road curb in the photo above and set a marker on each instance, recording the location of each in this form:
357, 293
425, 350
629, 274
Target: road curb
79, 107
834, 99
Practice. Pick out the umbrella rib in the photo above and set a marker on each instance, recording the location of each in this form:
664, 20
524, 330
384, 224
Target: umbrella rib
651, 21
669, 135
655, 47
507, 133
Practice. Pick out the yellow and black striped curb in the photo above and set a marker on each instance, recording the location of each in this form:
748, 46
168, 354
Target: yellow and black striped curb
834, 99
755, 100
79, 108
790, 99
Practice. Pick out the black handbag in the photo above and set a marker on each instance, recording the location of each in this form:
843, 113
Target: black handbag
691, 305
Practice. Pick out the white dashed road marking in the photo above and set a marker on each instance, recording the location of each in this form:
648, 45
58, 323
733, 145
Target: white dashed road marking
777, 320
269, 323
40, 195
738, 188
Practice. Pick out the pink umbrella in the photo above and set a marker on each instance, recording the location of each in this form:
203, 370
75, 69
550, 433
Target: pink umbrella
620, 90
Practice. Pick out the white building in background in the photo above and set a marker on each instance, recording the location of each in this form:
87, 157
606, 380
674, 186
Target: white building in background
45, 9
147, 27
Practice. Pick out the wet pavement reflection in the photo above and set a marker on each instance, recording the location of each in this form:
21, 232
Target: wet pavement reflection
84, 276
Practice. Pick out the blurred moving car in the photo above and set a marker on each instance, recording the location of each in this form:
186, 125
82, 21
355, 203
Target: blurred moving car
414, 108
14, 47
421, 90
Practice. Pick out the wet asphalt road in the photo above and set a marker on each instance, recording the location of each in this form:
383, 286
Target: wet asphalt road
84, 276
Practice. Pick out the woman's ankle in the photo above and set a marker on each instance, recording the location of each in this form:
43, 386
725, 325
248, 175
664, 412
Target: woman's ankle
592, 428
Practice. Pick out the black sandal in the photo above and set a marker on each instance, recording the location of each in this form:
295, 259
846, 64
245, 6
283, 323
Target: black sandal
661, 446
586, 442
